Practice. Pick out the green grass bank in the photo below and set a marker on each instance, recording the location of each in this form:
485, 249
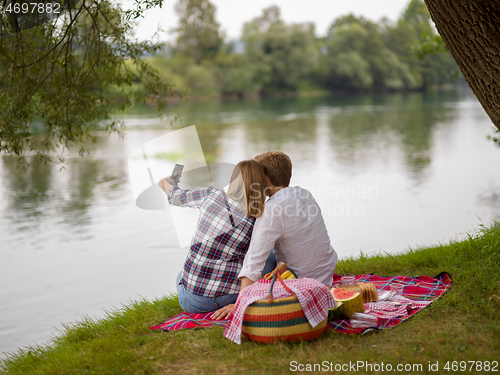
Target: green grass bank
462, 326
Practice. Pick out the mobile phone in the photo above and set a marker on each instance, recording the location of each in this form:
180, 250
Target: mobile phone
177, 172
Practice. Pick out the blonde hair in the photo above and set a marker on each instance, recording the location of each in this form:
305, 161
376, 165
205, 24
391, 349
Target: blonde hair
278, 167
247, 187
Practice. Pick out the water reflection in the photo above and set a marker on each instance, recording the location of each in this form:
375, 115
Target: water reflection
275, 134
379, 127
25, 195
363, 131
45, 196
491, 198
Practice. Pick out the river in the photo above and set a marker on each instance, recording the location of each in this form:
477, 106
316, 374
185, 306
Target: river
390, 172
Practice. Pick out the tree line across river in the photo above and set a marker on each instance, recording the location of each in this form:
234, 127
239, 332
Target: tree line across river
357, 55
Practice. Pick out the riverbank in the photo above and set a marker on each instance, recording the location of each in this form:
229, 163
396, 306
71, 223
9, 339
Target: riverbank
461, 326
307, 93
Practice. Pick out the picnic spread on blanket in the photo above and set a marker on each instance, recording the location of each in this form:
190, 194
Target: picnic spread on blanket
388, 308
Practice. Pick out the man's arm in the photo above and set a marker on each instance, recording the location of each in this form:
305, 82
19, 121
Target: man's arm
267, 230
245, 281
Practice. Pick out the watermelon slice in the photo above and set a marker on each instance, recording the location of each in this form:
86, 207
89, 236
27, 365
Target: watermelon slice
336, 312
352, 302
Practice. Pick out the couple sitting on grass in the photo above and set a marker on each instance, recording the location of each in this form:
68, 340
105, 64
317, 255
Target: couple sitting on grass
240, 237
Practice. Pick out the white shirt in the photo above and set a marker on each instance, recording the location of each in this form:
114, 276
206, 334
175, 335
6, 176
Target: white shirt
293, 225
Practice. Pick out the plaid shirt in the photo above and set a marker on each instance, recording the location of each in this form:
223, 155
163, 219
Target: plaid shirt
219, 245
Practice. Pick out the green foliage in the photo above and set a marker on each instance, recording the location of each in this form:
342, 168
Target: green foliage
139, 7
439, 69
429, 45
386, 50
435, 65
200, 79
417, 16
281, 54
62, 80
495, 138
357, 58
397, 74
181, 72
198, 34
348, 70
277, 56
235, 74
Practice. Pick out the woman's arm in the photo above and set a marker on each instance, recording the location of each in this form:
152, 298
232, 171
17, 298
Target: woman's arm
166, 183
183, 198
226, 311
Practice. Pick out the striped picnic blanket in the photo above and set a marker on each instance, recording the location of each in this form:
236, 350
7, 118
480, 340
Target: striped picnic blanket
420, 291
187, 320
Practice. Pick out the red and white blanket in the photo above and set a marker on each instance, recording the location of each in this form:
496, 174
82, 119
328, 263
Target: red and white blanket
419, 292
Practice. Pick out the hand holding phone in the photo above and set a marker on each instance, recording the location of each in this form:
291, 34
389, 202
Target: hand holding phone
176, 173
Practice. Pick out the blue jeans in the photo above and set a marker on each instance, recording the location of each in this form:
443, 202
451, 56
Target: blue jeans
192, 303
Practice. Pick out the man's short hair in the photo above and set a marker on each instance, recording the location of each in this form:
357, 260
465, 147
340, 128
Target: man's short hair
278, 167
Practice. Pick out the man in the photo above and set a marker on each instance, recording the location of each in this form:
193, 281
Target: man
292, 224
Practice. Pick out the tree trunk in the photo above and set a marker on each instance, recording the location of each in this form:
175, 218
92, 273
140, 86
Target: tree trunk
471, 31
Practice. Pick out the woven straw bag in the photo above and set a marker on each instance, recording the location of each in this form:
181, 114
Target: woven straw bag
269, 320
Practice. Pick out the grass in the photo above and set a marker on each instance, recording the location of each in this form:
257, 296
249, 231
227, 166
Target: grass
461, 326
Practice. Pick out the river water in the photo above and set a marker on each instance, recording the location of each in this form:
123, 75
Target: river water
390, 173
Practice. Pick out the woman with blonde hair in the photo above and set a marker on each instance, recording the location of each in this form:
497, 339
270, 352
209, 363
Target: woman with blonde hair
209, 280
